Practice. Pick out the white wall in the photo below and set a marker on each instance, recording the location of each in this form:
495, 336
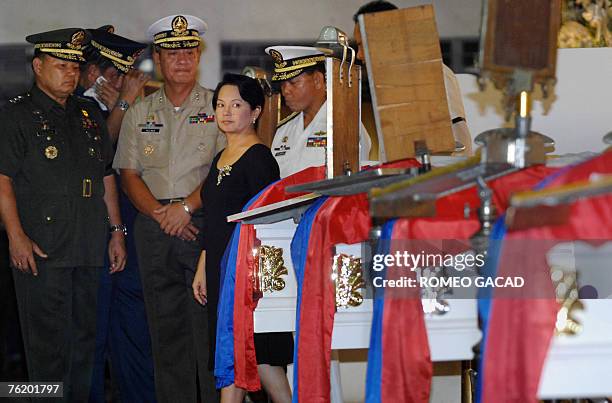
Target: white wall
227, 19
577, 112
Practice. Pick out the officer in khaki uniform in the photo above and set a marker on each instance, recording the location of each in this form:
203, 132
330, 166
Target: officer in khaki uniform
57, 193
166, 145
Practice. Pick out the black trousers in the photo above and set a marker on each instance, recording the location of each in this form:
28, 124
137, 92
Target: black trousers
57, 311
177, 323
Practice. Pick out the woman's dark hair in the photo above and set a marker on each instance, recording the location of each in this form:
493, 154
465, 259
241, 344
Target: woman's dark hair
248, 87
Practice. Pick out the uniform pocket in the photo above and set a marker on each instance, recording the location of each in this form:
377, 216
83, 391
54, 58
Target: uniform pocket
51, 229
201, 141
153, 152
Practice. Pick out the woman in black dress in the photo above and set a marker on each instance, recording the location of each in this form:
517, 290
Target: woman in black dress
237, 174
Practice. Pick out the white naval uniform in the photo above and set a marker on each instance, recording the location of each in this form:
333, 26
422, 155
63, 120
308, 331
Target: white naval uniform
296, 148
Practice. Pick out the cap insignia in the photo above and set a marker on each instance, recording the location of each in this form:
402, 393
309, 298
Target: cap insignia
179, 25
77, 38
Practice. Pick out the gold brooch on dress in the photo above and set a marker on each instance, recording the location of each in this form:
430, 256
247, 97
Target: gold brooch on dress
224, 171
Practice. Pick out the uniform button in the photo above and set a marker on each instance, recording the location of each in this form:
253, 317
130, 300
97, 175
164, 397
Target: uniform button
48, 219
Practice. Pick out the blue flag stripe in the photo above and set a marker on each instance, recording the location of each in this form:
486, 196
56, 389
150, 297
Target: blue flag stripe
224, 354
374, 370
299, 251
485, 295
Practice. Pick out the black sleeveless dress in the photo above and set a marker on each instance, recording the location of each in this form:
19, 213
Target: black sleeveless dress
225, 192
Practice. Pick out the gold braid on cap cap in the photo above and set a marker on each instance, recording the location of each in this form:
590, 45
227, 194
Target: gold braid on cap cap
179, 32
286, 75
299, 63
295, 68
114, 56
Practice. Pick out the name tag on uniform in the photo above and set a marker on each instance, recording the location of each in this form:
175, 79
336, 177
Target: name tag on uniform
282, 150
201, 118
150, 127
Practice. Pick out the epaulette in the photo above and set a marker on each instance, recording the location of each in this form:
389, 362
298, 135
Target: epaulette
84, 99
19, 98
287, 119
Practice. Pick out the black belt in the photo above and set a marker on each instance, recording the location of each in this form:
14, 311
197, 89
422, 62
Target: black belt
171, 201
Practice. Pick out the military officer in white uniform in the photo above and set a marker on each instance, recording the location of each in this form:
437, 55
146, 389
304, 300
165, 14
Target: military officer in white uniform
301, 138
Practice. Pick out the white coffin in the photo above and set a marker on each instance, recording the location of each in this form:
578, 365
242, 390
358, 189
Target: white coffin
581, 365
451, 336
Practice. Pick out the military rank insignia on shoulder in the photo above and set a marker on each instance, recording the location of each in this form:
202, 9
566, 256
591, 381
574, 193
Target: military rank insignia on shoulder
287, 119
19, 99
84, 100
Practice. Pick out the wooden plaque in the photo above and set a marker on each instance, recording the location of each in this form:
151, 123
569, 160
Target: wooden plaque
521, 34
343, 117
404, 64
266, 126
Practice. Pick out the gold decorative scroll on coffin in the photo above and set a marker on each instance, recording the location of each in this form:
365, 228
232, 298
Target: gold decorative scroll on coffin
269, 267
566, 292
348, 279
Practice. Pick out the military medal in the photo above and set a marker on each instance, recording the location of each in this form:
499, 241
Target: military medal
201, 118
316, 142
88, 123
51, 152
148, 150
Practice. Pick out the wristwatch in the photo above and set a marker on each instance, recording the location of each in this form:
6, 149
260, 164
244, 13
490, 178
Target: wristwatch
119, 227
123, 105
186, 207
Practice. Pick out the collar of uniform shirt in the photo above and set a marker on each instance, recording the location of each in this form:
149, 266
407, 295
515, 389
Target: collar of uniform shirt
47, 104
196, 99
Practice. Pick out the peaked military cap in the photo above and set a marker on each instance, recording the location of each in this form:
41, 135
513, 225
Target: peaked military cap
108, 28
122, 52
66, 44
291, 61
177, 32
